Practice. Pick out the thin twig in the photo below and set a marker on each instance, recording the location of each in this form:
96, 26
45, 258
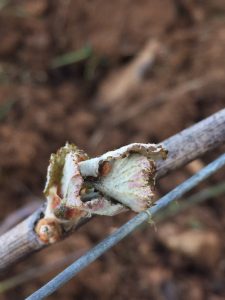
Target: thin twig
191, 143
120, 84
125, 230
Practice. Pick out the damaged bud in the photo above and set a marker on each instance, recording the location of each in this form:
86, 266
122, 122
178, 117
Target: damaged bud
78, 187
127, 174
130, 182
48, 230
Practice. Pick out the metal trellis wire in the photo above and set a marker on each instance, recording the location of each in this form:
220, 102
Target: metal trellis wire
125, 230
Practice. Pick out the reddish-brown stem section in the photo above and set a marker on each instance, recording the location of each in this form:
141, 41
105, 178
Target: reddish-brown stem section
182, 147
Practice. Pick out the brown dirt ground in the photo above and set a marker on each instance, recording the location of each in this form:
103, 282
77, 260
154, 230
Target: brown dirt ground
43, 107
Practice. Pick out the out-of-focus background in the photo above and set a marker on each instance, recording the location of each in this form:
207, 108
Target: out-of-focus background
102, 74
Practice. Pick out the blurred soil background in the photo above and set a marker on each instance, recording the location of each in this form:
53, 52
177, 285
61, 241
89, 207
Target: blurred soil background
102, 74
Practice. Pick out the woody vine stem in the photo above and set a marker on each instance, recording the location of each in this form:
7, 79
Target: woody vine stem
78, 187
125, 230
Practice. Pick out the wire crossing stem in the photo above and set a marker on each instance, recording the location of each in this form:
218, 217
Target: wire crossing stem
183, 147
125, 230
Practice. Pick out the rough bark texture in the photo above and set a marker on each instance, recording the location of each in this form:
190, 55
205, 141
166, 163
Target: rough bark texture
183, 147
193, 142
20, 241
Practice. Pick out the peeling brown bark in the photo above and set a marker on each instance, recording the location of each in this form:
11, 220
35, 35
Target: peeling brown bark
183, 148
